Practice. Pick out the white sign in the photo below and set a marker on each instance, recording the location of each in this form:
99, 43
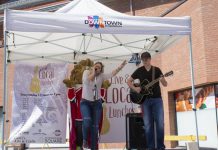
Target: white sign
39, 104
117, 104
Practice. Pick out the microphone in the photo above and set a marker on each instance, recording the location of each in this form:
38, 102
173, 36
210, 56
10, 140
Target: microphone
95, 72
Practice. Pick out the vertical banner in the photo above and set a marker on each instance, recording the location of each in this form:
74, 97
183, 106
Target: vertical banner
39, 104
117, 105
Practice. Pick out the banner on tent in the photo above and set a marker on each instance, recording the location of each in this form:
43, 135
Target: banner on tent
39, 104
117, 105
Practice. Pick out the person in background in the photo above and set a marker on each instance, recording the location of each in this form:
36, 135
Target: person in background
152, 106
91, 103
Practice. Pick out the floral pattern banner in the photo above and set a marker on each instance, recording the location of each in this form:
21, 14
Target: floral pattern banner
39, 104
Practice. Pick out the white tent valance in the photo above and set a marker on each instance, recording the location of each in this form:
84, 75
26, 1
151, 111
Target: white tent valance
90, 28
32, 21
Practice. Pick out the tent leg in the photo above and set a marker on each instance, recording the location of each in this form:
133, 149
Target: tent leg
193, 88
130, 7
4, 89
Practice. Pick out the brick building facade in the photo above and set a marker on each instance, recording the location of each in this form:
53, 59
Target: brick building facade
177, 57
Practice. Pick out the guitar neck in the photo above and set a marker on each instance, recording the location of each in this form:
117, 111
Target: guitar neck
157, 80
152, 83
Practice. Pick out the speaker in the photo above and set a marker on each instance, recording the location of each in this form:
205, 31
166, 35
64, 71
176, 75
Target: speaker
135, 134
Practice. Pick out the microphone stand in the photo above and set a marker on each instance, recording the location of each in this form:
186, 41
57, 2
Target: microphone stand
94, 111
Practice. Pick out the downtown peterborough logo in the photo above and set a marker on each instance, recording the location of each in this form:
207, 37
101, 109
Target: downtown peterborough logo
99, 22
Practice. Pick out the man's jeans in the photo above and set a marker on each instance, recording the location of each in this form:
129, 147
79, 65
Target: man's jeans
153, 112
91, 114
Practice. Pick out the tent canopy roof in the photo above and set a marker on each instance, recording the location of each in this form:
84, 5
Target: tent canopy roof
88, 29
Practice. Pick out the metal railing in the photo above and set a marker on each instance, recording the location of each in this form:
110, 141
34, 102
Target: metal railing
22, 3
51, 8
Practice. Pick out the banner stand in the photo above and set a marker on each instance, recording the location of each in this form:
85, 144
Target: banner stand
46, 145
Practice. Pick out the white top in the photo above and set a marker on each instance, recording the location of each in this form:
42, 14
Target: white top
89, 86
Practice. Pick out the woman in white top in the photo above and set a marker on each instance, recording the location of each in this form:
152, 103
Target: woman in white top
91, 103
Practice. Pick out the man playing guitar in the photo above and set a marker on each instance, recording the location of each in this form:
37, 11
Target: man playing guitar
152, 106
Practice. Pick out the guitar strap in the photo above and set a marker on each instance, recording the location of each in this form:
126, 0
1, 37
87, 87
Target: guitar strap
153, 73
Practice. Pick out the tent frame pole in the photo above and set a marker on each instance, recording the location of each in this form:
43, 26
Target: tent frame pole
4, 89
130, 7
193, 88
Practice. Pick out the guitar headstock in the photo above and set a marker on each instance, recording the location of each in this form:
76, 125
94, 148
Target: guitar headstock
168, 73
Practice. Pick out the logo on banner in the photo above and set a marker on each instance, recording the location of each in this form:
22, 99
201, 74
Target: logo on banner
57, 132
99, 22
35, 86
42, 76
135, 59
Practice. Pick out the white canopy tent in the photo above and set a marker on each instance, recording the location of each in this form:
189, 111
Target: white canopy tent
67, 34
87, 29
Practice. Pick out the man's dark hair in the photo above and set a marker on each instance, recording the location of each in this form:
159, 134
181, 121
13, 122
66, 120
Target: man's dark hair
145, 55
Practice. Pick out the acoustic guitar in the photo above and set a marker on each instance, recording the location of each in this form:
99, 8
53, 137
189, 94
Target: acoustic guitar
146, 90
